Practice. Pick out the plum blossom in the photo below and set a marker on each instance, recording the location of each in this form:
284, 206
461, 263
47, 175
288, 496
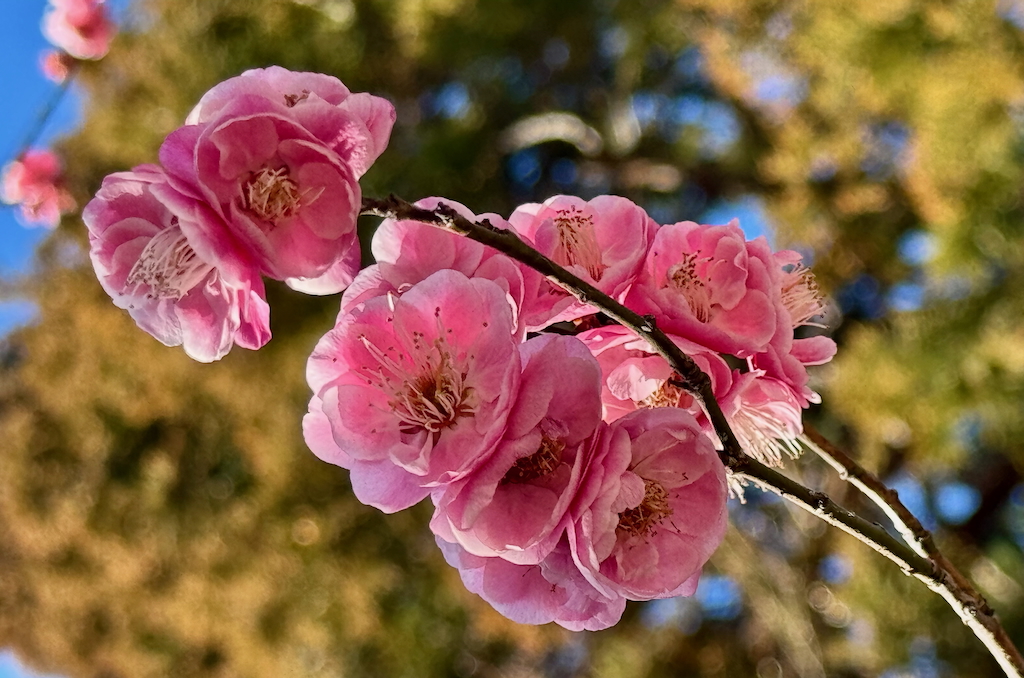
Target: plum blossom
411, 392
709, 285
56, 65
602, 241
278, 155
514, 505
148, 265
633, 376
356, 126
552, 591
408, 252
764, 412
651, 508
34, 182
765, 415
82, 28
786, 358
282, 199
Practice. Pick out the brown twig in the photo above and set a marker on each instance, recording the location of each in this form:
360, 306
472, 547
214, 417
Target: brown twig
910, 560
972, 607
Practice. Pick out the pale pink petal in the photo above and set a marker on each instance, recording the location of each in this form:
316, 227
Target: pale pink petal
553, 591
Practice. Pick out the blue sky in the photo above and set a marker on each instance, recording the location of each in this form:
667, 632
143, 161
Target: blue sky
11, 668
21, 43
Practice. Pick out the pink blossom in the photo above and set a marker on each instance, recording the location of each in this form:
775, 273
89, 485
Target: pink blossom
356, 126
709, 285
281, 171
786, 358
602, 241
514, 505
552, 591
764, 412
82, 28
407, 252
34, 182
56, 65
147, 264
633, 376
284, 200
651, 508
765, 415
412, 392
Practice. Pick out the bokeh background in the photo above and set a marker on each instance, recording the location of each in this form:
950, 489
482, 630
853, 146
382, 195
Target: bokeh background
164, 518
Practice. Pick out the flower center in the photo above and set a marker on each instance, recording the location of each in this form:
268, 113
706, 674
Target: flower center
683, 278
431, 395
577, 243
541, 463
271, 195
667, 395
432, 401
654, 508
800, 295
168, 266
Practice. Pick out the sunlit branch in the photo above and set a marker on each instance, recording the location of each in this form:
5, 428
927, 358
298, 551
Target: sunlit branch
949, 582
922, 565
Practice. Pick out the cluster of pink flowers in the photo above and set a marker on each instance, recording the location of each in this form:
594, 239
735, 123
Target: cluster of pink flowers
569, 471
721, 299
568, 474
262, 180
34, 183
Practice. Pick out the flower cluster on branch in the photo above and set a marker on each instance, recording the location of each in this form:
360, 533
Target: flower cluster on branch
262, 180
569, 468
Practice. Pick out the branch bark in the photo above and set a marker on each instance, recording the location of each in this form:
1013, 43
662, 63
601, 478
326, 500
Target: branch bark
916, 561
948, 582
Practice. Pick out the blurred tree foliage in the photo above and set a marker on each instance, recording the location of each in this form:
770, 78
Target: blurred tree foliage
164, 518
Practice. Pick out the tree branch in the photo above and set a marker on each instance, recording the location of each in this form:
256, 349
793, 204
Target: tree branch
948, 582
43, 116
921, 565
